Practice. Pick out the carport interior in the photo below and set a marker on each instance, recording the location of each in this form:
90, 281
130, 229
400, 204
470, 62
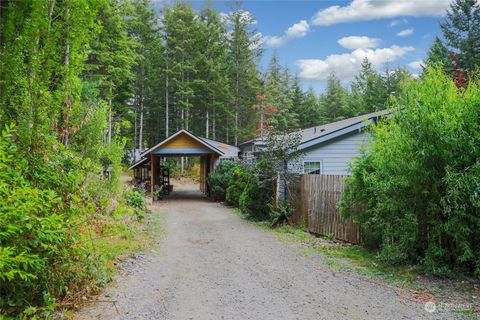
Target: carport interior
180, 144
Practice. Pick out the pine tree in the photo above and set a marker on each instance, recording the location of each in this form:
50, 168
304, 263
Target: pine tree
180, 30
368, 93
438, 54
278, 97
309, 113
111, 61
213, 81
461, 30
244, 49
148, 86
334, 101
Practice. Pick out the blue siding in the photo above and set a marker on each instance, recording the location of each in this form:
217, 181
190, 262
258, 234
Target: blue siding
336, 154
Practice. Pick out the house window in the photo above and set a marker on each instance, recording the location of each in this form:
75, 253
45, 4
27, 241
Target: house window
312, 167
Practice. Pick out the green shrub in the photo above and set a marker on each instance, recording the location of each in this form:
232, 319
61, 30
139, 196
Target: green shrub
280, 213
219, 179
416, 189
237, 185
257, 195
136, 199
49, 208
39, 258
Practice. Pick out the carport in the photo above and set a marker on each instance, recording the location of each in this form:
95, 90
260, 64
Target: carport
181, 144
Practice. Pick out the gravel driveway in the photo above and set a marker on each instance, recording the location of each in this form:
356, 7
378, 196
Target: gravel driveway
213, 265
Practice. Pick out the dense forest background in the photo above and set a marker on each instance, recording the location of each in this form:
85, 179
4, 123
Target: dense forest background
83, 81
150, 74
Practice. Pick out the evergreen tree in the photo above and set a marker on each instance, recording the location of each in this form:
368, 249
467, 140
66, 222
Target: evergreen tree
278, 97
438, 54
367, 91
147, 108
244, 50
334, 101
213, 72
461, 30
309, 113
112, 59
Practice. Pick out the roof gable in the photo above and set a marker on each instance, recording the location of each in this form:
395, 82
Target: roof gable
182, 140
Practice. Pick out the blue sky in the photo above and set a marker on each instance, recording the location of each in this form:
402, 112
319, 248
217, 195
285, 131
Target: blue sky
315, 38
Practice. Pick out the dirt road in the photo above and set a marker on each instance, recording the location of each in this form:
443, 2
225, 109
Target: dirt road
213, 265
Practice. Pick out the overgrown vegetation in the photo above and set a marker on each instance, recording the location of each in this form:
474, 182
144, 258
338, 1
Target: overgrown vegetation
220, 178
56, 229
252, 186
415, 189
65, 69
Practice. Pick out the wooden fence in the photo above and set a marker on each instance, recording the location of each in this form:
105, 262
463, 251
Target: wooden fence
315, 198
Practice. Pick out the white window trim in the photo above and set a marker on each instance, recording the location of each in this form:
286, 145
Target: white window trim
316, 160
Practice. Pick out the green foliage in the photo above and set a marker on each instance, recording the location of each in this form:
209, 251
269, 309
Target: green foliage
278, 95
280, 213
334, 101
254, 202
461, 30
64, 66
237, 185
258, 193
136, 199
439, 55
219, 179
415, 189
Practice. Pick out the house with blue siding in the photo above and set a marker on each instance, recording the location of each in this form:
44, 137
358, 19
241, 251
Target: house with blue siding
325, 149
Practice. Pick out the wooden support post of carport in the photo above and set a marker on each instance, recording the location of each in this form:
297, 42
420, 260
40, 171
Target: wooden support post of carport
152, 174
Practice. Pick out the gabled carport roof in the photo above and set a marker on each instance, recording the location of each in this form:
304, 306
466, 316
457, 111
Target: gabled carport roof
201, 141
221, 149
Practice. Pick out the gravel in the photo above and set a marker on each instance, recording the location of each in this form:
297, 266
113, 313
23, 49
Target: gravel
214, 265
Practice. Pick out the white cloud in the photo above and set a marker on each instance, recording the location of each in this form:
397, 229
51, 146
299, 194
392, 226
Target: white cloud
416, 64
347, 65
406, 32
365, 10
397, 22
297, 30
357, 42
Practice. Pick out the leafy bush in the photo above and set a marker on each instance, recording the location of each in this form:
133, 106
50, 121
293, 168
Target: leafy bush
219, 179
136, 199
49, 218
237, 185
280, 213
257, 195
416, 189
38, 257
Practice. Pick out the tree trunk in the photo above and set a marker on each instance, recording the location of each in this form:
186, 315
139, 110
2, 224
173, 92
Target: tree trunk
109, 136
166, 101
135, 135
207, 125
140, 134
236, 111
214, 134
